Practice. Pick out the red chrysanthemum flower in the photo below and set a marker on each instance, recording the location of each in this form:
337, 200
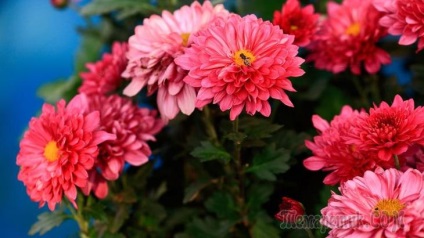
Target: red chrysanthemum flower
297, 21
153, 49
332, 152
387, 204
104, 76
241, 63
348, 37
58, 149
133, 127
405, 18
290, 211
390, 130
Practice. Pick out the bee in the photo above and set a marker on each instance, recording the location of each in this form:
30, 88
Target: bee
246, 60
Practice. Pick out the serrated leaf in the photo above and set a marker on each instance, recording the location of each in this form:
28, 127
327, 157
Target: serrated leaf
291, 141
98, 7
262, 229
206, 152
257, 195
269, 162
257, 128
193, 190
61, 89
96, 211
47, 221
207, 228
121, 215
88, 51
223, 205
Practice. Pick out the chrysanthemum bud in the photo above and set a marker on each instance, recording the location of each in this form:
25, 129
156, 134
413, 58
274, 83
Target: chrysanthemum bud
59, 4
290, 211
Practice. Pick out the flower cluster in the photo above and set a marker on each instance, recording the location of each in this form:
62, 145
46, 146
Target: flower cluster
89, 144
354, 145
201, 56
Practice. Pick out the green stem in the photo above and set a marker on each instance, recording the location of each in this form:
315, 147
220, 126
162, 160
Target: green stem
361, 91
210, 128
309, 232
375, 91
240, 197
397, 164
79, 218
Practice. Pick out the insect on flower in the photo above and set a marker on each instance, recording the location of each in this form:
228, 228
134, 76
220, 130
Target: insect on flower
246, 59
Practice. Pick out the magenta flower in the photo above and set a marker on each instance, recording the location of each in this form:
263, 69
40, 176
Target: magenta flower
241, 63
379, 204
153, 48
405, 18
58, 149
104, 76
347, 39
297, 21
134, 127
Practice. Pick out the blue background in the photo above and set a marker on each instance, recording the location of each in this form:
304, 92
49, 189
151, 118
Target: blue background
37, 45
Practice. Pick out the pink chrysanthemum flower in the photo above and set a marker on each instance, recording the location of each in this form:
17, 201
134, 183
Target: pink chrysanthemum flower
297, 21
104, 76
347, 39
405, 18
153, 49
332, 152
133, 127
379, 204
390, 130
241, 63
58, 149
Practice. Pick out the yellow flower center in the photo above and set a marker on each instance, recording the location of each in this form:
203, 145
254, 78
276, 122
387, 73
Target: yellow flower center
389, 207
353, 29
244, 57
293, 27
51, 151
185, 37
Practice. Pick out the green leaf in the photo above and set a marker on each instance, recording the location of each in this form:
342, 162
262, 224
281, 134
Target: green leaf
223, 205
332, 100
261, 229
88, 52
47, 221
192, 191
96, 211
257, 195
206, 152
61, 89
121, 215
291, 141
207, 228
269, 162
257, 128
98, 7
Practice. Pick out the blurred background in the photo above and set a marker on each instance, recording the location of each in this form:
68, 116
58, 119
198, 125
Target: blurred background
37, 45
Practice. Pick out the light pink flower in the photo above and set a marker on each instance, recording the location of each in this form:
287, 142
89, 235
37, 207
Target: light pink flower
58, 149
297, 21
347, 39
104, 76
153, 48
390, 130
379, 204
134, 127
405, 18
332, 152
241, 63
